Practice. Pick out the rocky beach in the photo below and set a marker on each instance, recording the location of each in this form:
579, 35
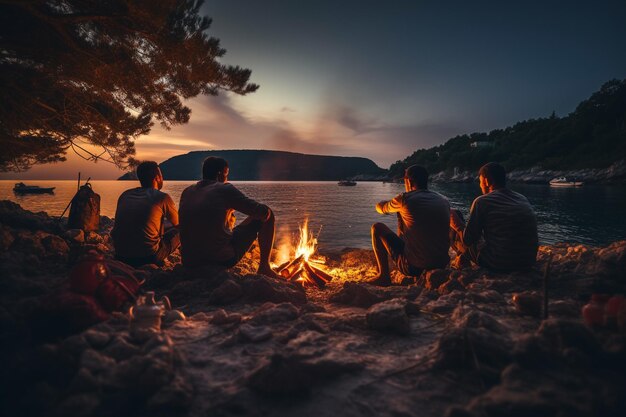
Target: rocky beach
613, 174
448, 343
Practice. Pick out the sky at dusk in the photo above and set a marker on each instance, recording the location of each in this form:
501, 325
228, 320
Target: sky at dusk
383, 79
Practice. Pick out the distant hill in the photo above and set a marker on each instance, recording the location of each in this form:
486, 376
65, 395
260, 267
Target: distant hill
251, 165
592, 136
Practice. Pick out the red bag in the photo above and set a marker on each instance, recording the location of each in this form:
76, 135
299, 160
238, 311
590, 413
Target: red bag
117, 290
67, 312
112, 283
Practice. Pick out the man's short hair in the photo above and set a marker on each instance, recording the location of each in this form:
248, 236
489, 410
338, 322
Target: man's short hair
147, 171
418, 175
495, 173
212, 166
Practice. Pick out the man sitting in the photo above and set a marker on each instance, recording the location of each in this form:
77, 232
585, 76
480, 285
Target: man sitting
141, 235
423, 229
501, 232
207, 219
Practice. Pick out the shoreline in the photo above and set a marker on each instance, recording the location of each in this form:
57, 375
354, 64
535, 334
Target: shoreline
251, 345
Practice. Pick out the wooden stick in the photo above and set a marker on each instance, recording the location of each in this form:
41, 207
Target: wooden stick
282, 266
292, 267
296, 275
313, 277
546, 279
322, 274
78, 188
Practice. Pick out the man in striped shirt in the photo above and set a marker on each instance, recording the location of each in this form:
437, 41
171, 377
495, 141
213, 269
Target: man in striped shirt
501, 232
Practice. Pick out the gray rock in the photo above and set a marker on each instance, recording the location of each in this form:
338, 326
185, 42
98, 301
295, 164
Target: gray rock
271, 313
220, 317
75, 235
389, 316
172, 316
55, 246
6, 239
228, 292
96, 362
254, 334
285, 375
120, 349
75, 344
96, 338
259, 288
174, 397
355, 294
561, 334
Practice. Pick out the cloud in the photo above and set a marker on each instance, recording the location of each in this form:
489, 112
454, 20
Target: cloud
351, 119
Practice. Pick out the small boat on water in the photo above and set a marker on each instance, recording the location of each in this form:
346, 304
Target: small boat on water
21, 188
347, 183
565, 182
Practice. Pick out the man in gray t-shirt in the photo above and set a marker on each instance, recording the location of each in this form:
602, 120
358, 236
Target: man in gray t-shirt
141, 234
501, 232
207, 222
423, 229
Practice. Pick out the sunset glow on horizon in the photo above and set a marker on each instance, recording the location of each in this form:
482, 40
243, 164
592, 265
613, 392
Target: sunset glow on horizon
360, 79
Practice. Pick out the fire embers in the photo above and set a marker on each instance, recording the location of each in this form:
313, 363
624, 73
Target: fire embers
303, 268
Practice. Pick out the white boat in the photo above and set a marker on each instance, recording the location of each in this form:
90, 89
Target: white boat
565, 182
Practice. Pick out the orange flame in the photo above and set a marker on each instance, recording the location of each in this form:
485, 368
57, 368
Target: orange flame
307, 242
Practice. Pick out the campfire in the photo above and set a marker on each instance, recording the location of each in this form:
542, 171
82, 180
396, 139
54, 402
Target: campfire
305, 268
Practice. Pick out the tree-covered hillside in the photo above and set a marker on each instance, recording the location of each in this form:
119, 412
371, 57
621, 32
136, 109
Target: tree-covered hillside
593, 136
261, 165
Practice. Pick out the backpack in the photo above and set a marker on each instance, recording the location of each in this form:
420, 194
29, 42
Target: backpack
85, 210
111, 282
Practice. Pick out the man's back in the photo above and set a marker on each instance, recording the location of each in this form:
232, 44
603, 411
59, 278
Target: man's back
509, 228
139, 221
205, 229
424, 225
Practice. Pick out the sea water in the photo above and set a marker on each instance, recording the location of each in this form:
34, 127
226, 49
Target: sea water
342, 216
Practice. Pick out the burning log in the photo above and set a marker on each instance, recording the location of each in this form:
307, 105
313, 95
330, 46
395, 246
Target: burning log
282, 266
301, 269
292, 267
313, 276
326, 277
296, 275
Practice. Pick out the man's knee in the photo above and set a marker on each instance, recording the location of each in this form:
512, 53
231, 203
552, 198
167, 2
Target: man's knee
172, 238
270, 218
377, 228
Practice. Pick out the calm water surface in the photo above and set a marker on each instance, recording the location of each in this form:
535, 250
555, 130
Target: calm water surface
591, 215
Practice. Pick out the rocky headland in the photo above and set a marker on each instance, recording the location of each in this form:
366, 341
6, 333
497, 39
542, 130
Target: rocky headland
448, 343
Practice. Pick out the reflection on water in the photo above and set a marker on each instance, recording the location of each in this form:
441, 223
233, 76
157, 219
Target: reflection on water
591, 214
